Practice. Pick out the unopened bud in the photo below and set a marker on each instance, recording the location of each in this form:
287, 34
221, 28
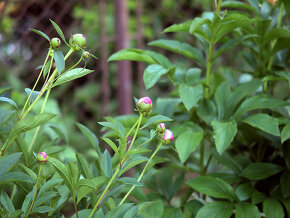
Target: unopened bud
78, 41
145, 105
86, 54
160, 128
55, 42
167, 137
42, 157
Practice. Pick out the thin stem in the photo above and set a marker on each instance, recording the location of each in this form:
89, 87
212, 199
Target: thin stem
135, 124
43, 66
104, 192
75, 205
142, 173
35, 192
136, 132
146, 141
201, 158
208, 70
218, 9
38, 128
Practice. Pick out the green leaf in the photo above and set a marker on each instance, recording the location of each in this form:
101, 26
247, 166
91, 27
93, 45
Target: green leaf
131, 162
6, 202
28, 123
42, 209
206, 111
112, 145
33, 96
59, 31
16, 214
44, 198
259, 102
12, 177
275, 33
264, 122
30, 172
244, 191
86, 213
152, 74
240, 92
182, 27
213, 187
238, 5
10, 101
59, 61
71, 75
285, 134
62, 171
190, 95
40, 33
137, 151
155, 120
130, 181
180, 48
284, 183
132, 212
186, 143
119, 211
107, 164
151, 209
132, 55
90, 136
228, 161
221, 96
216, 210
167, 106
224, 133
246, 210
7, 162
257, 197
3, 90
273, 209
192, 76
74, 173
198, 22
258, 171
59, 131
47, 67
84, 166
48, 184
160, 59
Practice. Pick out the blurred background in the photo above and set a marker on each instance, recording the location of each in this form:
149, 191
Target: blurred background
108, 26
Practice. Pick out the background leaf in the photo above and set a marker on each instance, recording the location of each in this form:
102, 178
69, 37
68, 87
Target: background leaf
258, 171
216, 210
190, 95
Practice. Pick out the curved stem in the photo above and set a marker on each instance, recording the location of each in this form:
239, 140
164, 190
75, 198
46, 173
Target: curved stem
142, 173
132, 128
147, 141
35, 192
104, 192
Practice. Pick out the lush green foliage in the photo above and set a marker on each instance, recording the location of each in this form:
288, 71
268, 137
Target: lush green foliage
231, 155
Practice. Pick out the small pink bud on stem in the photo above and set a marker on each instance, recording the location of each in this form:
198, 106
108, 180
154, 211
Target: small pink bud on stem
167, 137
145, 105
42, 157
77, 41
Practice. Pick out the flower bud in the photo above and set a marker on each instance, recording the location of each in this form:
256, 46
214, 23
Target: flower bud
86, 54
42, 157
77, 41
55, 42
167, 137
145, 105
160, 128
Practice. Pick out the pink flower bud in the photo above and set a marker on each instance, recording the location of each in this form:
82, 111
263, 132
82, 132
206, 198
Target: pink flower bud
161, 128
78, 41
145, 105
42, 157
55, 42
167, 137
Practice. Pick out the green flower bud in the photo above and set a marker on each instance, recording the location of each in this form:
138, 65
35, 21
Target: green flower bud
160, 128
145, 105
55, 42
78, 41
86, 54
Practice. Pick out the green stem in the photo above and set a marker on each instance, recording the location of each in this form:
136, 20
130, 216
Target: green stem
35, 192
201, 158
104, 192
135, 124
136, 132
146, 141
43, 66
208, 70
218, 9
75, 205
38, 128
142, 173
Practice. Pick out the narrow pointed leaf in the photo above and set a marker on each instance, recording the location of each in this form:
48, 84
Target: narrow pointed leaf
10, 101
40, 33
59, 31
59, 61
